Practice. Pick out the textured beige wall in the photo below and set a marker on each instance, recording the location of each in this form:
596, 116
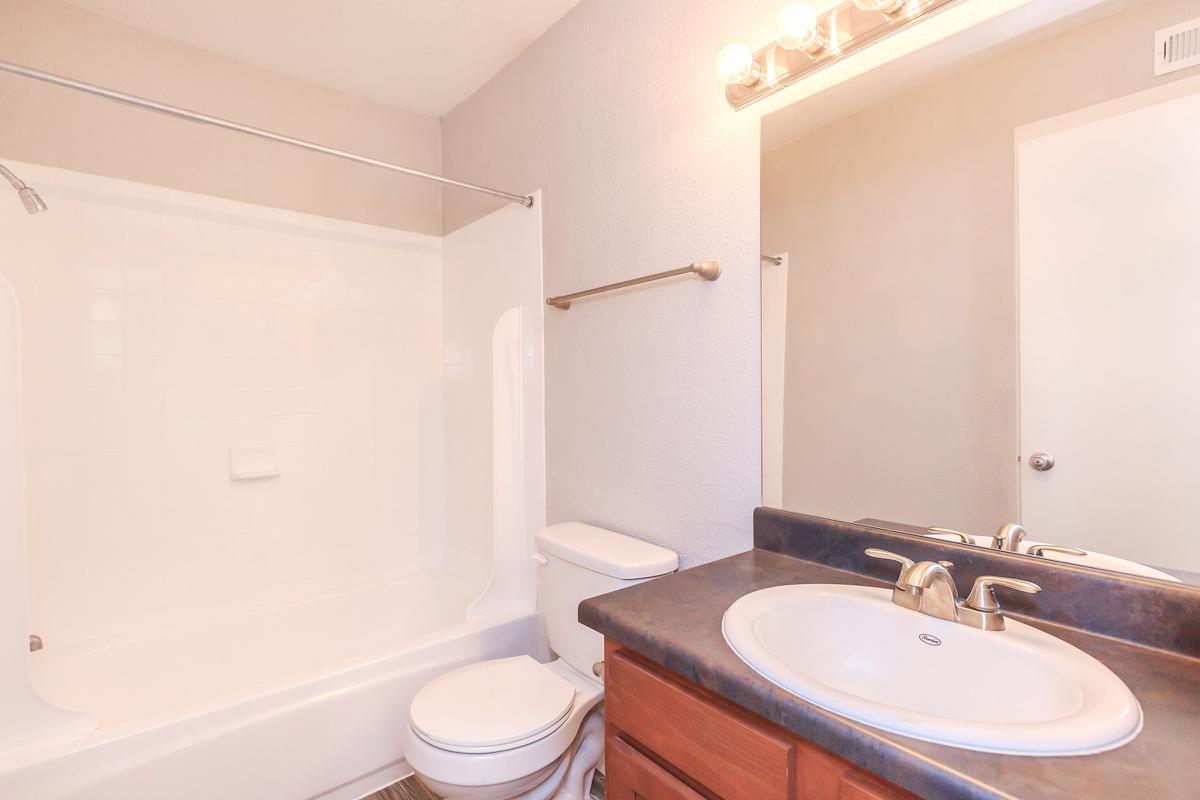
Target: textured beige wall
45, 124
900, 392
652, 394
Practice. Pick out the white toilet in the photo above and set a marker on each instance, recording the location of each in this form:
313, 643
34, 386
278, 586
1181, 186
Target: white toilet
512, 727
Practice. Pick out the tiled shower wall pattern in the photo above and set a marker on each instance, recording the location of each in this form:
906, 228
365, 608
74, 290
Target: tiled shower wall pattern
159, 329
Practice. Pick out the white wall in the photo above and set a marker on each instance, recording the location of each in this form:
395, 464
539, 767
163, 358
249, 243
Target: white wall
652, 394
161, 327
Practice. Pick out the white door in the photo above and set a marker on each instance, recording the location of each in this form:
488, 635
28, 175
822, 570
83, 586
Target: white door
1109, 248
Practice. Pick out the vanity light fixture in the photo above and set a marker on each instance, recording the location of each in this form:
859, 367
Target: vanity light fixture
809, 41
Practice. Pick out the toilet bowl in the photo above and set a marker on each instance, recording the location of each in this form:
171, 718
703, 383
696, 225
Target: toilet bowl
517, 729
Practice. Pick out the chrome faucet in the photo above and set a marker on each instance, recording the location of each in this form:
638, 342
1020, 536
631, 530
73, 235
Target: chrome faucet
939, 595
928, 588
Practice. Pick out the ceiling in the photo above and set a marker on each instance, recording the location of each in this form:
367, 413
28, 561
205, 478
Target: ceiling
423, 55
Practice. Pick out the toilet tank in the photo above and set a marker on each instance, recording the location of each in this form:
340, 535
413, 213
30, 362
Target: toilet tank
583, 561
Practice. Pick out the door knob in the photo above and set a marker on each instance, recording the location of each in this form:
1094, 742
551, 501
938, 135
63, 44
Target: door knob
1041, 461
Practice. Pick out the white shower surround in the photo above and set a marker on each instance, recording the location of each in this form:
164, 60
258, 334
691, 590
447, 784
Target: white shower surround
219, 658
159, 328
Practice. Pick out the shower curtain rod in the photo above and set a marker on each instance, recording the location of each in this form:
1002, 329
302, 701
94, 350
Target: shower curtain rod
205, 119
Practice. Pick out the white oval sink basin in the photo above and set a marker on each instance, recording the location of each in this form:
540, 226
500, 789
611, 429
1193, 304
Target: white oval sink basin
1089, 559
849, 650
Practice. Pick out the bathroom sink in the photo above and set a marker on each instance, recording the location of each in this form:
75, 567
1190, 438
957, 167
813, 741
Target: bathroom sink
850, 650
1090, 558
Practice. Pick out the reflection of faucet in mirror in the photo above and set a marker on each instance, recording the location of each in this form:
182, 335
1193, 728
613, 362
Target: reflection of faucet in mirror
1011, 534
1013, 538
962, 537
1042, 549
1009, 538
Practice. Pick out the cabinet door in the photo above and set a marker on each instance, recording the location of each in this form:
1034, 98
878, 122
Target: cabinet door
823, 776
717, 745
629, 775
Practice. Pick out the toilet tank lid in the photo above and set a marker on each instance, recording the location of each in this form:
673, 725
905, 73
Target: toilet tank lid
605, 551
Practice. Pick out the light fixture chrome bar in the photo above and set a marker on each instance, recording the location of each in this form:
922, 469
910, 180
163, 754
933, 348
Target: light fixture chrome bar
708, 270
207, 119
845, 29
776, 260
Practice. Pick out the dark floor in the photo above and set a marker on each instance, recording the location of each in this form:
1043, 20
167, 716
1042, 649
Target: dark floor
411, 789
407, 789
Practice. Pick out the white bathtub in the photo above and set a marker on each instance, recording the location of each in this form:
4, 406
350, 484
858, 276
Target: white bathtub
293, 702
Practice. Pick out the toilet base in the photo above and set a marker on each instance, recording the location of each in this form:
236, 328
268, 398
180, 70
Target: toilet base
567, 778
502, 791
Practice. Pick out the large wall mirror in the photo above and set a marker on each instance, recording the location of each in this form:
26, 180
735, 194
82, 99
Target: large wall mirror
981, 298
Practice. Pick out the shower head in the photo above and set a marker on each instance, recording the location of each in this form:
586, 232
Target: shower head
32, 201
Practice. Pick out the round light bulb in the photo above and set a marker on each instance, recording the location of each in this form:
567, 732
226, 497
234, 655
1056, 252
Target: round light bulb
735, 64
798, 29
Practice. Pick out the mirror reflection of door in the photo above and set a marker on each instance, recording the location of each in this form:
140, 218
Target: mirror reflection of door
1109, 229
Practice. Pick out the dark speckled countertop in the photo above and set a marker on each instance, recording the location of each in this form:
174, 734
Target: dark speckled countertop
676, 621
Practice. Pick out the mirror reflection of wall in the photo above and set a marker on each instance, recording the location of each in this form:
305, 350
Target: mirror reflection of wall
948, 347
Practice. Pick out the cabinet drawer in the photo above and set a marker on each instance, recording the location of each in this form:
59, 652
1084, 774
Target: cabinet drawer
720, 746
630, 775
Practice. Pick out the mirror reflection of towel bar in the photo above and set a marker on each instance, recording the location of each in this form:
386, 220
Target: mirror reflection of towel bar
709, 270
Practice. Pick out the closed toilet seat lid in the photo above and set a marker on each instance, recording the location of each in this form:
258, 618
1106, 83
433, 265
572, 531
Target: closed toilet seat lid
491, 706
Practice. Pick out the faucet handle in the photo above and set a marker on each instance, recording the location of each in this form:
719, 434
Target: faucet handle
1042, 549
905, 563
981, 597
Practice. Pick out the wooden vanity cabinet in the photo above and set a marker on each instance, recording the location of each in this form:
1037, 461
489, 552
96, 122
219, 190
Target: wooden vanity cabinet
669, 739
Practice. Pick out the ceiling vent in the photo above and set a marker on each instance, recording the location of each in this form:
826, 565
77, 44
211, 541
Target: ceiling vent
1177, 47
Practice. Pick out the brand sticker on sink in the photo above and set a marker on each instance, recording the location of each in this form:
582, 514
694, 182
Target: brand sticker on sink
930, 639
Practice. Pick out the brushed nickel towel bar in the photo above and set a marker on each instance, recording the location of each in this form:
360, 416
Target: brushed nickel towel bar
708, 270
205, 119
776, 260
